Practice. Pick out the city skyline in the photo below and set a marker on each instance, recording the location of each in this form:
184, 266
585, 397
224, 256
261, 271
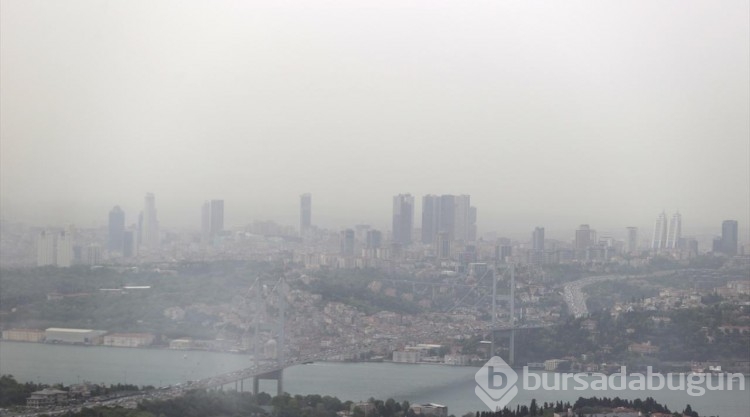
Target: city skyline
669, 230
535, 126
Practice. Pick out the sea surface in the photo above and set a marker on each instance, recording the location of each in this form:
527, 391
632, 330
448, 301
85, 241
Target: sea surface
450, 385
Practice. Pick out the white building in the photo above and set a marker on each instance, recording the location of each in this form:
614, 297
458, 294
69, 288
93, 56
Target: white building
76, 336
45, 249
64, 250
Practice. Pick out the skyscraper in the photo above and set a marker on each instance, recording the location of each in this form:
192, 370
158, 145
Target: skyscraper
217, 217
659, 240
305, 214
403, 218
447, 215
443, 245
130, 243
150, 238
64, 250
674, 232
583, 237
116, 229
212, 220
472, 224
45, 249
729, 237
462, 212
451, 214
347, 242
537, 239
430, 217
632, 240
374, 239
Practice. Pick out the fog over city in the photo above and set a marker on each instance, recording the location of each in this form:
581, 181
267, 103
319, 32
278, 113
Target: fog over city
576, 112
407, 208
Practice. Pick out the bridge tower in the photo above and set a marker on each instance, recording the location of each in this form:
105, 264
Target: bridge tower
277, 374
510, 333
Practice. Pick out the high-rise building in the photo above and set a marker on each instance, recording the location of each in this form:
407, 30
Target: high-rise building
461, 223
537, 239
374, 239
64, 258
212, 220
674, 232
659, 240
451, 214
430, 218
45, 249
632, 243
116, 229
447, 215
150, 231
729, 237
217, 217
443, 245
305, 214
583, 237
472, 224
403, 218
347, 242
130, 243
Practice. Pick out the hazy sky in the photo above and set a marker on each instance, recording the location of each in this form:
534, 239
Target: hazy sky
547, 112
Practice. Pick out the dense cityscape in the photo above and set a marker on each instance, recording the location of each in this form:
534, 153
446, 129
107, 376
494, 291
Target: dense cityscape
420, 208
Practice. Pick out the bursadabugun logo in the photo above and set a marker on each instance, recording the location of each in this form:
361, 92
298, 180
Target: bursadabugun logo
496, 383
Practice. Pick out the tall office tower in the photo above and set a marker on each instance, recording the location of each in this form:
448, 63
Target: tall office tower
212, 219
374, 239
472, 224
430, 217
729, 237
583, 237
403, 218
659, 240
447, 215
347, 242
150, 229
443, 245
217, 217
45, 249
130, 243
674, 231
305, 214
64, 258
537, 239
116, 229
462, 212
632, 246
